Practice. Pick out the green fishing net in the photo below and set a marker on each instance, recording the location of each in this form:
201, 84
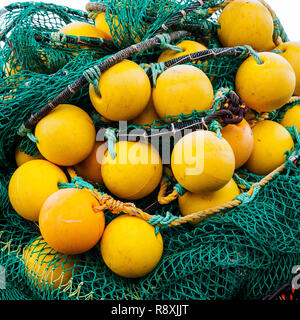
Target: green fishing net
245, 253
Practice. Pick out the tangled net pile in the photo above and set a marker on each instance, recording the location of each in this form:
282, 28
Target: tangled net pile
247, 252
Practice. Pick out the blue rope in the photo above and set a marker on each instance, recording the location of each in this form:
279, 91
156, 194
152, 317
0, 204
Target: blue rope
93, 75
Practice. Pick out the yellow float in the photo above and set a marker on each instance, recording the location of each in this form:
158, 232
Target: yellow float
240, 138
125, 92
90, 168
81, 29
195, 202
271, 141
148, 116
291, 52
267, 86
292, 117
182, 89
66, 136
135, 171
202, 162
69, 222
246, 22
31, 184
47, 268
130, 248
22, 157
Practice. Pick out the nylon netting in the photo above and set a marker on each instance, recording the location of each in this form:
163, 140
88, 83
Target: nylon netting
246, 253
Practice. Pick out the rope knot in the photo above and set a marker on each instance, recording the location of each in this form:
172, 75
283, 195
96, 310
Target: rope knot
156, 70
247, 197
236, 106
216, 127
162, 221
25, 132
93, 75
253, 53
180, 189
165, 40
110, 136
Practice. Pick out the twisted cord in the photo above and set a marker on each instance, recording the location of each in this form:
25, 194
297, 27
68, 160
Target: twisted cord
93, 75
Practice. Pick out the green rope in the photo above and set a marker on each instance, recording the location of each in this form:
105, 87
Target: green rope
162, 221
165, 40
277, 51
110, 136
246, 197
93, 75
180, 189
156, 69
216, 127
24, 132
31, 137
242, 181
76, 183
254, 54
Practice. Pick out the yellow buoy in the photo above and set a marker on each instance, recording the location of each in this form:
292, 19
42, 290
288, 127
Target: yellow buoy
22, 157
240, 138
45, 267
267, 86
69, 223
130, 248
31, 184
148, 116
271, 141
125, 91
90, 168
187, 46
291, 52
135, 172
246, 22
102, 26
292, 117
81, 29
195, 202
202, 162
182, 89
66, 136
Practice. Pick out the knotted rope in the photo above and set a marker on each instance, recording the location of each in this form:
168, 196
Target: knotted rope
156, 70
93, 75
107, 202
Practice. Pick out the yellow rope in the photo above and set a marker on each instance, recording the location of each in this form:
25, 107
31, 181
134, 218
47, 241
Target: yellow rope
106, 202
161, 197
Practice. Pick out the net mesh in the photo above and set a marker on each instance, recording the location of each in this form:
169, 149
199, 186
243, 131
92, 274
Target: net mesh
246, 253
